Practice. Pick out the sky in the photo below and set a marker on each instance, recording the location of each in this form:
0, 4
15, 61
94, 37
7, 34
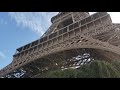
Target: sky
20, 28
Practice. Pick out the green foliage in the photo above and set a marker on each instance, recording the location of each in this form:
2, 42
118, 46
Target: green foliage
69, 73
96, 69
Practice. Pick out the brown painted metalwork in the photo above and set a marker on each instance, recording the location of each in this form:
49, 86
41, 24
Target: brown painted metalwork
70, 31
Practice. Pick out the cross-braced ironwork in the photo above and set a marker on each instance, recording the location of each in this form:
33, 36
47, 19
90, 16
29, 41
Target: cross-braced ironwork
70, 34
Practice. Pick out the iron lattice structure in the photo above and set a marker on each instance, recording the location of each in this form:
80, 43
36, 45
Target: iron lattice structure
69, 33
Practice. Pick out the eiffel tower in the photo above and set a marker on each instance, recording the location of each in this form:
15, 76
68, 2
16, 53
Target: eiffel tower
70, 33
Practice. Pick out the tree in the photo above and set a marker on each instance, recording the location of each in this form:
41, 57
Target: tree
95, 69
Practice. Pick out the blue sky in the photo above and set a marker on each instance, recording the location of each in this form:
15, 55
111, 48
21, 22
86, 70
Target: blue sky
20, 28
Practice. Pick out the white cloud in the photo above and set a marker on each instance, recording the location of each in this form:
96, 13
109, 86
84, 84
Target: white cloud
2, 55
115, 16
2, 21
91, 13
40, 21
36, 21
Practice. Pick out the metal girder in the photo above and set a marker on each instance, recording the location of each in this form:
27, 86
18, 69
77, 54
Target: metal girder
97, 36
